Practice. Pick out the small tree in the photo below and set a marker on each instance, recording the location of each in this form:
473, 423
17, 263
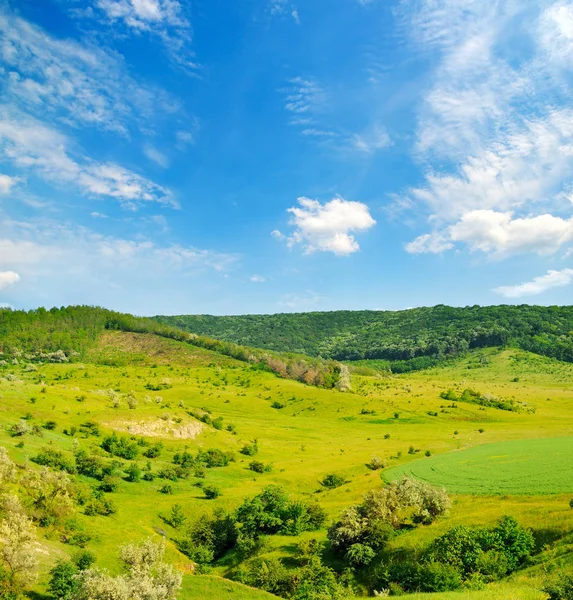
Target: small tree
63, 580
145, 576
17, 532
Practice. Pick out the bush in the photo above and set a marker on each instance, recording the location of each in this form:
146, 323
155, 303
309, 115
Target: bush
63, 580
154, 451
376, 463
257, 466
561, 589
332, 481
359, 555
122, 447
249, 449
211, 492
55, 459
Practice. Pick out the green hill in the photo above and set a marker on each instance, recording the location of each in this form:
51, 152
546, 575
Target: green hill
419, 333
119, 429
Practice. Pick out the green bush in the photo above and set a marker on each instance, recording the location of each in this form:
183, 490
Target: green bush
560, 589
211, 492
332, 480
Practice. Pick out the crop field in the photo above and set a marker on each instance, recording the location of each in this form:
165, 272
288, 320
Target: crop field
539, 466
303, 433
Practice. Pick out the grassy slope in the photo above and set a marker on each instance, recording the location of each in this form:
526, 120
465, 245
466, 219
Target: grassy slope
320, 431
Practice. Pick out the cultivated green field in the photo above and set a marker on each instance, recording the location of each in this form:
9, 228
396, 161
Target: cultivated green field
315, 432
538, 466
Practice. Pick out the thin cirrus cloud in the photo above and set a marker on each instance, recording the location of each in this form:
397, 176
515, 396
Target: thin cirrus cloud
328, 227
29, 144
495, 121
59, 250
164, 20
538, 285
77, 83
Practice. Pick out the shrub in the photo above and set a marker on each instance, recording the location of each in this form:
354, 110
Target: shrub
211, 492
122, 447
166, 489
561, 589
217, 423
257, 466
133, 473
332, 481
214, 457
55, 459
49, 425
250, 449
376, 463
359, 555
154, 451
63, 580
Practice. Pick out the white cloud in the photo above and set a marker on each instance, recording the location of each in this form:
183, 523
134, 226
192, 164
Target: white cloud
62, 250
98, 215
529, 165
303, 95
374, 138
301, 301
156, 156
556, 33
80, 84
258, 279
432, 243
537, 285
499, 234
8, 278
7, 183
29, 144
328, 227
164, 19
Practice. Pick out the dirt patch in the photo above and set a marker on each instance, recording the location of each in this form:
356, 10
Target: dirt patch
158, 428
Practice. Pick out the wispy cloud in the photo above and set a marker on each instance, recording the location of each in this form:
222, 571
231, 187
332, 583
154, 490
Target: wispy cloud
300, 301
49, 247
30, 145
164, 20
328, 227
78, 83
154, 155
538, 285
489, 120
258, 279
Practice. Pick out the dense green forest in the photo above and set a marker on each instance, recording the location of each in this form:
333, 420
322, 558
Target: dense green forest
419, 335
75, 329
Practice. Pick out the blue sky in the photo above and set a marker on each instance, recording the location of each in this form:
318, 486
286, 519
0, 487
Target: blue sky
182, 156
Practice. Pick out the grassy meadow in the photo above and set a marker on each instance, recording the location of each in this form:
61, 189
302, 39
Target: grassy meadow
517, 461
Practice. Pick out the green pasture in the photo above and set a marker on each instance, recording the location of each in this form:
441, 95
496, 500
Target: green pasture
538, 466
318, 431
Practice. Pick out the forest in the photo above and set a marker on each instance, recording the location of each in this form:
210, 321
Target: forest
418, 336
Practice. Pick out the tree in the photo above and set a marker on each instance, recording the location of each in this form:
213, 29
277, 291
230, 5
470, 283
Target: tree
146, 577
17, 532
63, 580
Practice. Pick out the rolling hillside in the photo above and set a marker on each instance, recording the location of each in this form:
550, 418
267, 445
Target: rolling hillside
436, 332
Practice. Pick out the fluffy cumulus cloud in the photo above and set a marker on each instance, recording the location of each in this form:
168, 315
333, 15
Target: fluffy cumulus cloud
499, 234
30, 145
537, 285
8, 278
328, 227
493, 135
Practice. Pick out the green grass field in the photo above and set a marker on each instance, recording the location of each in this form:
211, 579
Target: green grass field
317, 432
538, 466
